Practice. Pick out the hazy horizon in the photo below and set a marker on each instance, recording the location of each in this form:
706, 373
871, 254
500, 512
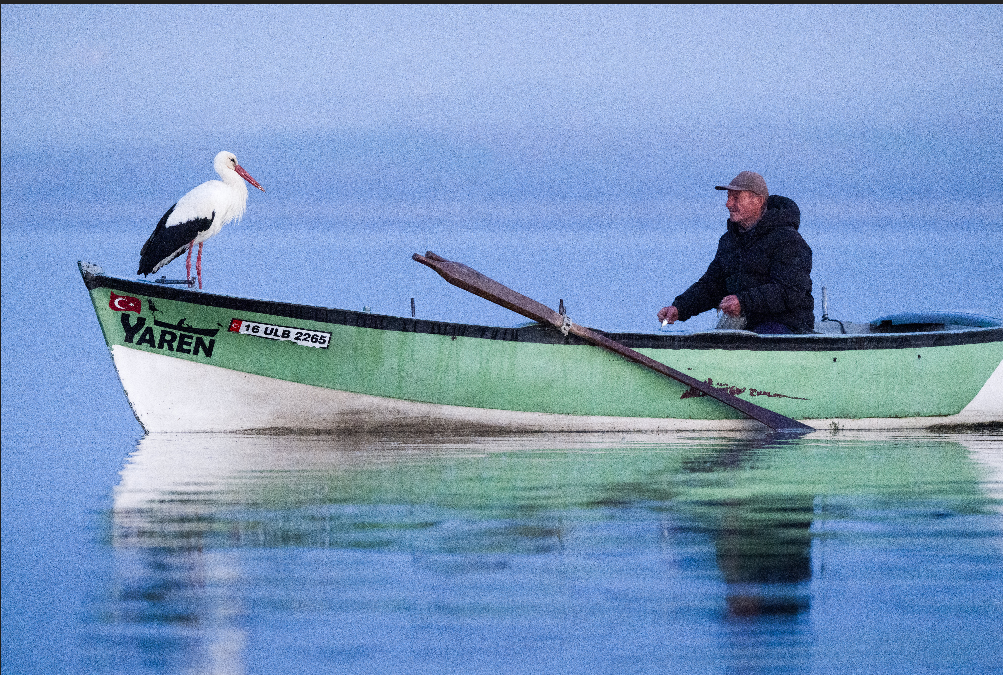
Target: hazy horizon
623, 103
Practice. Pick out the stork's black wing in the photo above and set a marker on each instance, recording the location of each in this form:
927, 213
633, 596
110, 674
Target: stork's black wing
167, 243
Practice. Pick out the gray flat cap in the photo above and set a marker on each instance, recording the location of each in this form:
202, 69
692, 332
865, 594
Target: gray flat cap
747, 180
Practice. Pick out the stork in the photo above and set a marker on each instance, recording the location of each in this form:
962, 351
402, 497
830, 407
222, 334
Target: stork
198, 215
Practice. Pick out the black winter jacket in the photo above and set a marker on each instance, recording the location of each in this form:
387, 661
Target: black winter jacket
767, 267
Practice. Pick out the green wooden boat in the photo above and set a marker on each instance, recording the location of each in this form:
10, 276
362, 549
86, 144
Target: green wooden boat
193, 361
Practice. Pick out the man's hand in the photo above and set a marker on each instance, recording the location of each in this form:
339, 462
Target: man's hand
668, 315
731, 306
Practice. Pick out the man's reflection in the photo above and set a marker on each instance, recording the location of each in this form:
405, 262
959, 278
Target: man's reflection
762, 542
764, 550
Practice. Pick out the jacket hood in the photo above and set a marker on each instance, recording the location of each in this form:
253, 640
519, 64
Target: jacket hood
780, 212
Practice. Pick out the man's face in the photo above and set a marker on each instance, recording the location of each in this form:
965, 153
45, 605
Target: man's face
745, 207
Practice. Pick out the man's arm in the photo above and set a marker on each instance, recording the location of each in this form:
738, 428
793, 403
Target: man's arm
707, 292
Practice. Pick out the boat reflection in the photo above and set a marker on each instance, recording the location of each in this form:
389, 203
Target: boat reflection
196, 514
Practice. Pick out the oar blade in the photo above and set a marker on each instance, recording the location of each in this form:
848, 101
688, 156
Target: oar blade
473, 281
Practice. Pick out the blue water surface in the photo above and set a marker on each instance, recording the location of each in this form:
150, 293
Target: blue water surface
703, 553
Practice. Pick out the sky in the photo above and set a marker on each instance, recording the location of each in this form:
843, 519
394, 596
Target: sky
857, 101
146, 72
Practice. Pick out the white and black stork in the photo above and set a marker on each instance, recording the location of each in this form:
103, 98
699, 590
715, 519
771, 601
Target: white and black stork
198, 215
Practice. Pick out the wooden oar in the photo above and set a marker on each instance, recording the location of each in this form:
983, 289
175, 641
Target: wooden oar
471, 280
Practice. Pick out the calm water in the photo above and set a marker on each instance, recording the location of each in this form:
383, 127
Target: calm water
540, 554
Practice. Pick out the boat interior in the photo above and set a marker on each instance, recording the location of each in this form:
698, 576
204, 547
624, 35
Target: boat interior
909, 322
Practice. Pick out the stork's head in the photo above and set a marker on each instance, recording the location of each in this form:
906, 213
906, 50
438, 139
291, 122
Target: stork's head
226, 163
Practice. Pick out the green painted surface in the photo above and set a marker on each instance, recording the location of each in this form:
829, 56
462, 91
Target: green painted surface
575, 380
850, 384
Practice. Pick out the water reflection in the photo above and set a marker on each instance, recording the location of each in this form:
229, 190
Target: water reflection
418, 548
762, 541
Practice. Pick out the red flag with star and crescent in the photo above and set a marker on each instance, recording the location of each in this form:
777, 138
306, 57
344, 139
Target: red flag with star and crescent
125, 303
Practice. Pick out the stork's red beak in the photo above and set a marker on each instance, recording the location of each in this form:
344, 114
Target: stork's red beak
246, 176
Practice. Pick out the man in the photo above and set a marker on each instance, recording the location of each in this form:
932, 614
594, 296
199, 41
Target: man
762, 270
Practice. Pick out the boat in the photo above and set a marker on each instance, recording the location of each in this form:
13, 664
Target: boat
191, 361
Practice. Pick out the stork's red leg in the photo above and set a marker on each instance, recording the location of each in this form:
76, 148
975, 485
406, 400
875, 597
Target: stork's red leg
198, 265
188, 262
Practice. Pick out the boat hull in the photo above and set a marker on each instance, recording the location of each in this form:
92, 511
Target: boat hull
191, 361
222, 400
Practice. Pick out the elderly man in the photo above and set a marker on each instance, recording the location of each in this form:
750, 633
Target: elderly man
762, 270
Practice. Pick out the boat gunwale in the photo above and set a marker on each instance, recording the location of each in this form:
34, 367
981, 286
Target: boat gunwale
538, 333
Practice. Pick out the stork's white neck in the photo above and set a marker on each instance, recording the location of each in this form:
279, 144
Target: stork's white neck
236, 202
239, 189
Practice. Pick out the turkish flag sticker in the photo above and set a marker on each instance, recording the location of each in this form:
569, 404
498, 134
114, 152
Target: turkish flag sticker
125, 303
